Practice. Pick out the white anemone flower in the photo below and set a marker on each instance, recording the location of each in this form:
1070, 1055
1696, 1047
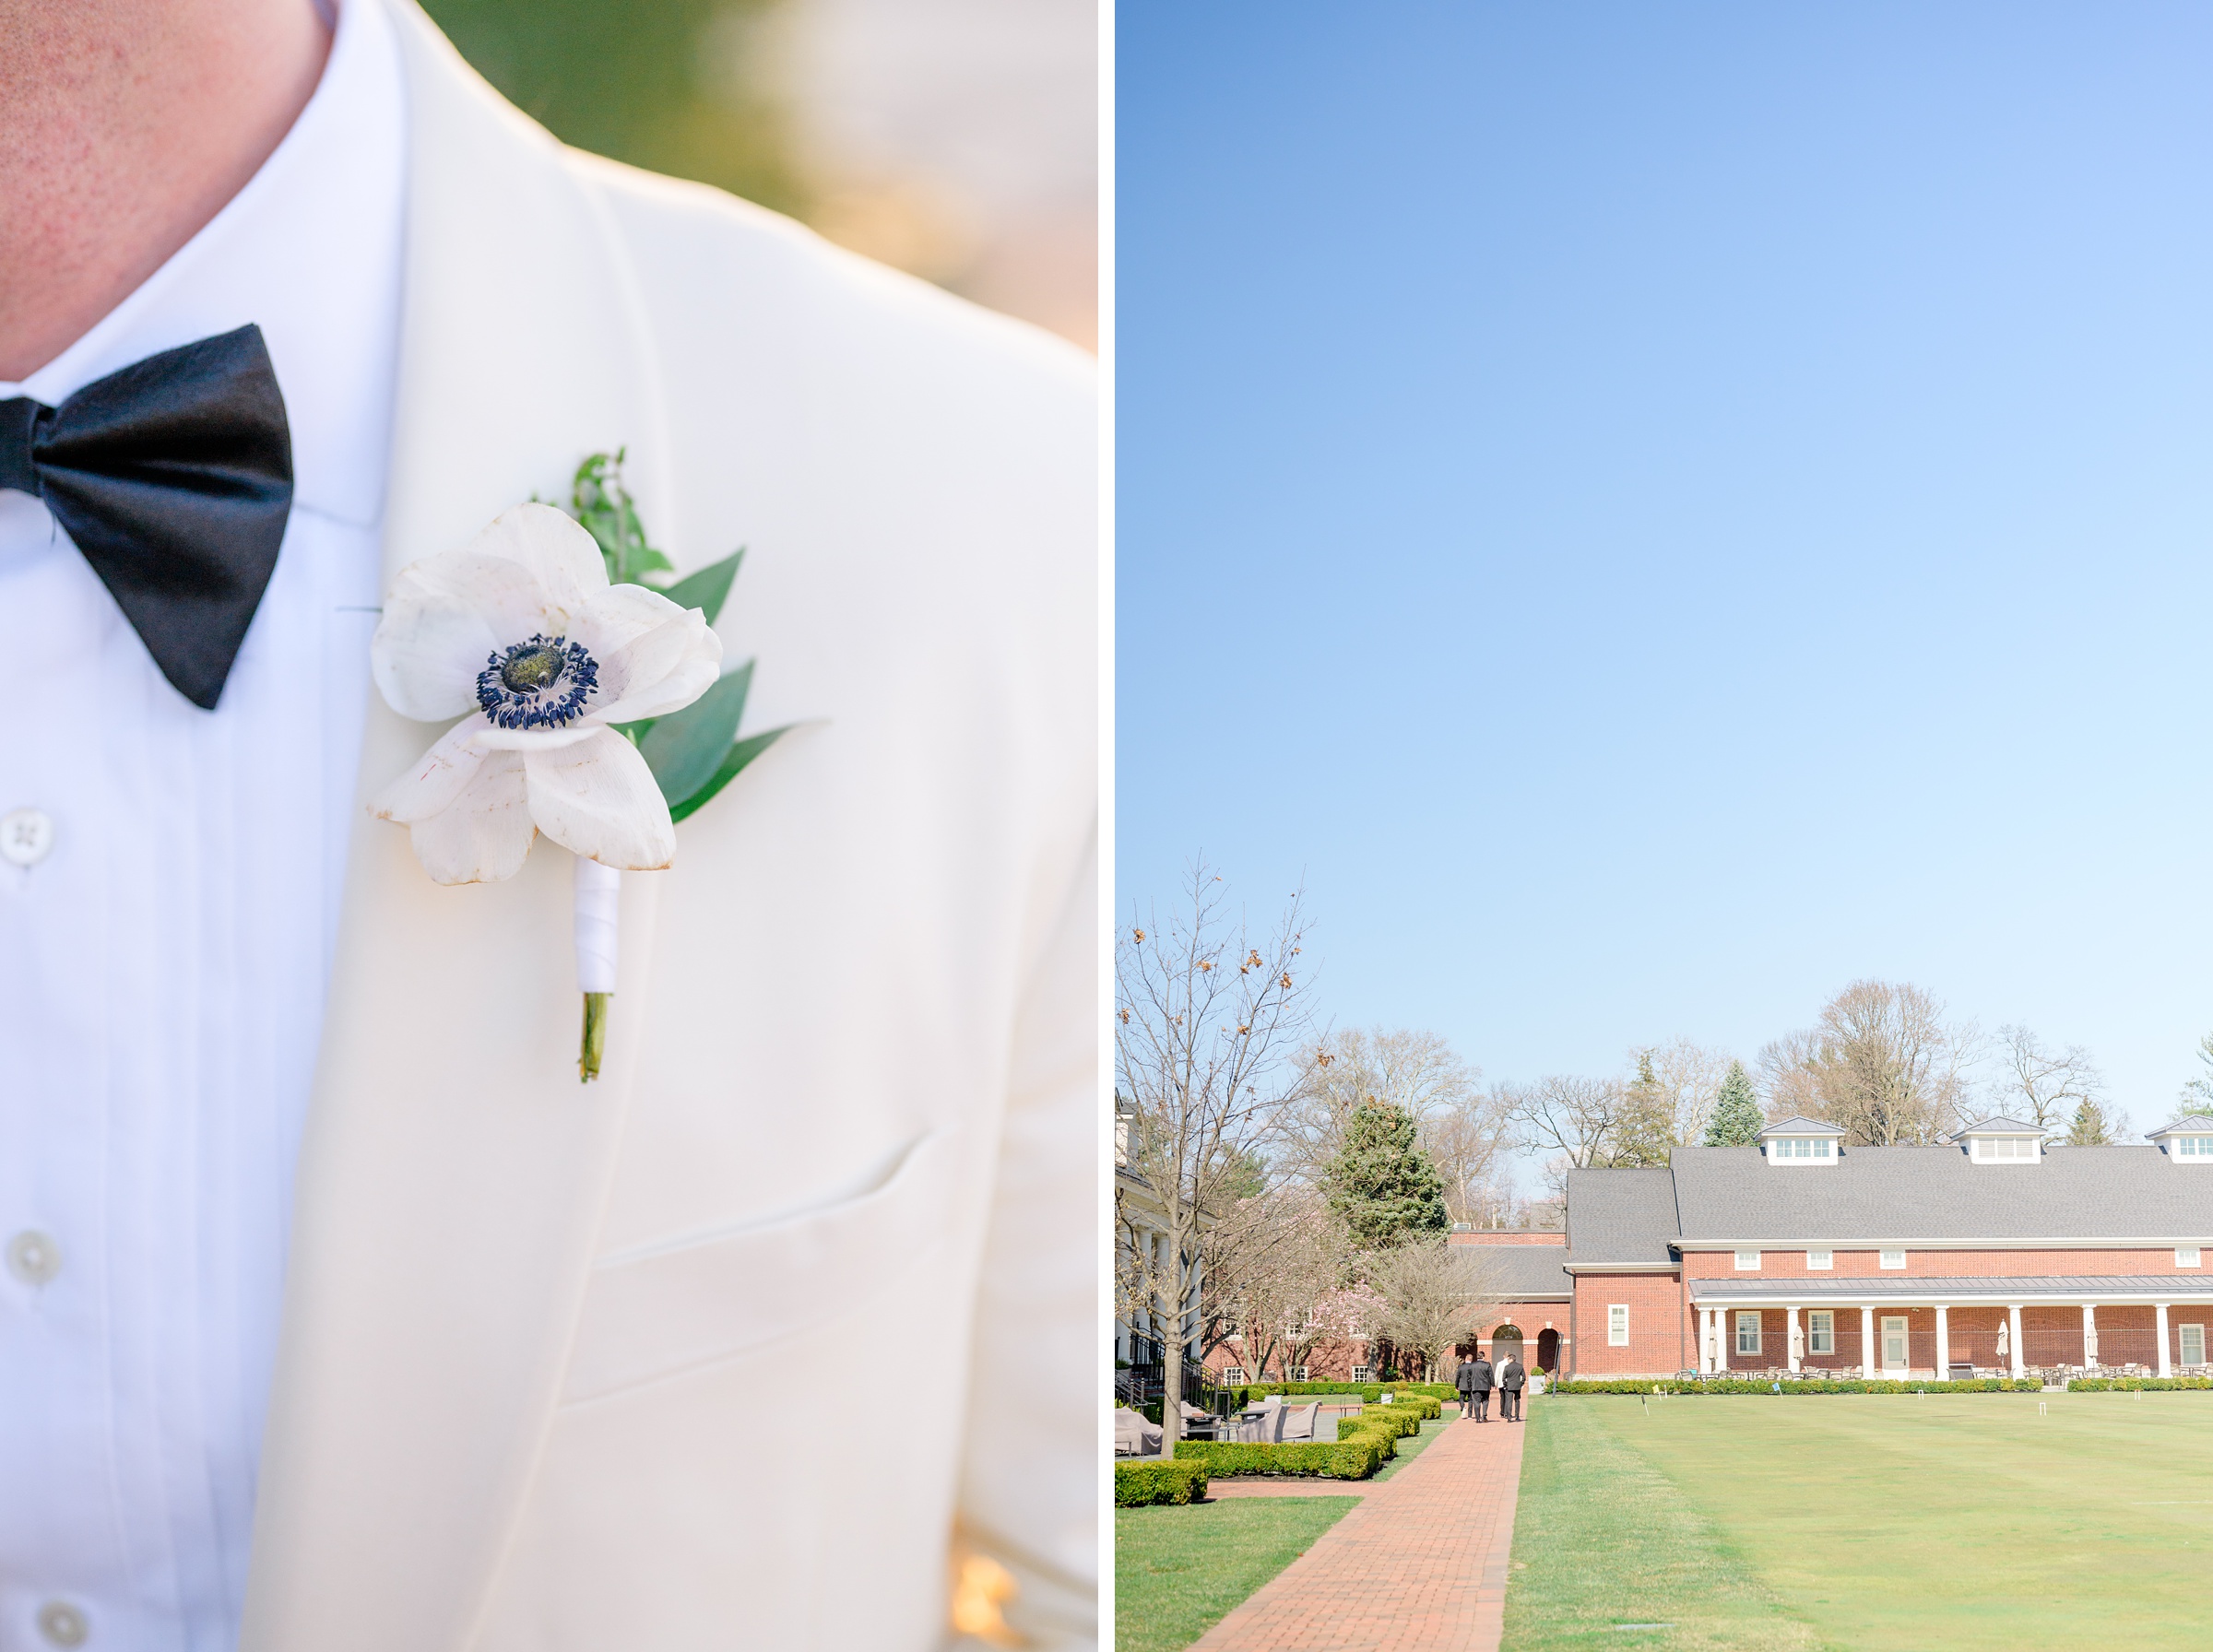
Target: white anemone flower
521, 630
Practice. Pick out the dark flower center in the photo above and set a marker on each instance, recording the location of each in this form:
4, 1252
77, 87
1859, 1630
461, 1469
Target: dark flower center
529, 668
543, 683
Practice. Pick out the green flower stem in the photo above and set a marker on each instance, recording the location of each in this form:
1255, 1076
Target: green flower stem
595, 1035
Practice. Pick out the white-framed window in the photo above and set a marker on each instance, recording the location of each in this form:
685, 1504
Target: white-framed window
1233, 1373
1893, 1258
2194, 1147
1820, 1331
2193, 1344
1820, 1261
1748, 1261
2185, 1256
1802, 1150
1994, 1148
1747, 1331
1617, 1325
1363, 1373
1298, 1373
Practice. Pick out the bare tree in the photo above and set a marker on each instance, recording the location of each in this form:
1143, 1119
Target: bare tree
1577, 1120
1415, 1071
1285, 1257
2042, 1086
1688, 1077
1466, 1140
1207, 1020
1883, 1063
1429, 1294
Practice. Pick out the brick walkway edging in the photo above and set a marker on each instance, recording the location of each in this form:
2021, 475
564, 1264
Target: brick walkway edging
1419, 1564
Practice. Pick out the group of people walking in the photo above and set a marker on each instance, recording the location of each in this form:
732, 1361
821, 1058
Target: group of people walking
1476, 1378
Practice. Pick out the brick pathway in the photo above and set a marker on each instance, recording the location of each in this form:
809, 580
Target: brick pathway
1419, 1565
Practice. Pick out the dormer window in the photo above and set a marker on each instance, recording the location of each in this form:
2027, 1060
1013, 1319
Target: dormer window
1802, 1141
2003, 1142
2188, 1140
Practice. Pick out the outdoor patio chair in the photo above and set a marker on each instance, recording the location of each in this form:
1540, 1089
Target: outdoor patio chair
1299, 1422
1134, 1436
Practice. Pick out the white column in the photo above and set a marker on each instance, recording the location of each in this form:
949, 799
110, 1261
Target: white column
2013, 1319
1790, 1337
2090, 1334
1870, 1358
1943, 1343
2159, 1315
1709, 1344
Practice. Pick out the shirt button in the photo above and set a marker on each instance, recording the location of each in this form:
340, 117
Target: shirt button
34, 1258
25, 836
63, 1624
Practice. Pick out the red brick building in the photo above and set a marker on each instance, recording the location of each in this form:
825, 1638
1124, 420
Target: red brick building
1994, 1253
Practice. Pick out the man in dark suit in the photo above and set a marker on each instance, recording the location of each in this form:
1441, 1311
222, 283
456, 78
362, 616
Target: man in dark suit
1511, 1378
1464, 1380
1476, 1374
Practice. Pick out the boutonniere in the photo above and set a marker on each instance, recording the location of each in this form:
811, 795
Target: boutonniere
596, 709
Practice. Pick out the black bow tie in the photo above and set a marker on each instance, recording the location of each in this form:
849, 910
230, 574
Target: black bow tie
175, 477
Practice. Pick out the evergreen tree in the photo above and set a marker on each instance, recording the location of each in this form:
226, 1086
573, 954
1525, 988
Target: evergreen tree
1647, 1134
2089, 1126
1736, 1120
1381, 1185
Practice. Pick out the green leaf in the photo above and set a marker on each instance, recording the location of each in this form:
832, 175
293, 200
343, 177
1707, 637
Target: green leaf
739, 755
683, 748
708, 587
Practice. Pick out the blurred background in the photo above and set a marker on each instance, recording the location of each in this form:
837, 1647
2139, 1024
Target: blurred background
956, 139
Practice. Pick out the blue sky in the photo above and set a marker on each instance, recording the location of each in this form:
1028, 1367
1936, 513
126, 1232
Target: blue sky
1653, 512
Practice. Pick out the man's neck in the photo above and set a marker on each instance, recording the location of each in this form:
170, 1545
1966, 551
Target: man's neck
125, 127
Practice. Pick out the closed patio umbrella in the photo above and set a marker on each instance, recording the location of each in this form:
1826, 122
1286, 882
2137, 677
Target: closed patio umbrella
2005, 1339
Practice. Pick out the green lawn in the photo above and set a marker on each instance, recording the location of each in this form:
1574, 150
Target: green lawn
1876, 1523
1178, 1570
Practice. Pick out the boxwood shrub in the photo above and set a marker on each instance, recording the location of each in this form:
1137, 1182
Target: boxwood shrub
1369, 1393
1841, 1384
1138, 1485
2134, 1385
1355, 1459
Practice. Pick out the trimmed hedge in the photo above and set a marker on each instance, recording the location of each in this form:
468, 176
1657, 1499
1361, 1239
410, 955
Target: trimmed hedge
1369, 1393
1850, 1385
1363, 1443
2135, 1384
1139, 1486
1346, 1460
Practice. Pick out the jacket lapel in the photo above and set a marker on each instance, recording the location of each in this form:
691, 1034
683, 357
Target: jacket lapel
454, 1169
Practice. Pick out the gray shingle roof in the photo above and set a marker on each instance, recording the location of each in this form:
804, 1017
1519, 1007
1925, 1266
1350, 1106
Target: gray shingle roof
1875, 1194
1515, 1272
1626, 1217
1959, 1290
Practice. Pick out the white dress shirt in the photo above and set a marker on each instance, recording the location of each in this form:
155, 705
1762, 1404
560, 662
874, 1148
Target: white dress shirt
164, 952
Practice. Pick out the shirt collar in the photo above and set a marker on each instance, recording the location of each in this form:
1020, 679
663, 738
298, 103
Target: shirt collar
308, 250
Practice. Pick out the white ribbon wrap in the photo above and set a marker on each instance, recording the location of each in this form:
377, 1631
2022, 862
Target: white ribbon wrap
599, 909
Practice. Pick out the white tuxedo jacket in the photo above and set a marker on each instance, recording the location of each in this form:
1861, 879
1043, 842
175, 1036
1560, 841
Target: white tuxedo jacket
600, 1366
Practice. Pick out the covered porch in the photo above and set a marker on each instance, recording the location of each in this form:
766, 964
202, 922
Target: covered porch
1945, 1328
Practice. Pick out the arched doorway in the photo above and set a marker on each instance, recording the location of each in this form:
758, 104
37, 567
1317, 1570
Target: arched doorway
1548, 1349
1505, 1341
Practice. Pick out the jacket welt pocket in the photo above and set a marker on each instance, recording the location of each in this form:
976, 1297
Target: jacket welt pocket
658, 1309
